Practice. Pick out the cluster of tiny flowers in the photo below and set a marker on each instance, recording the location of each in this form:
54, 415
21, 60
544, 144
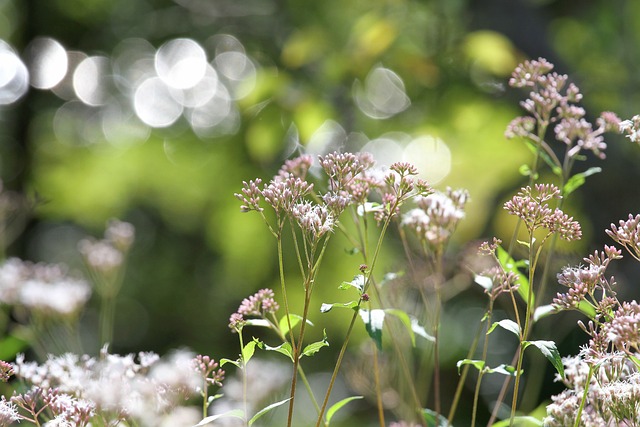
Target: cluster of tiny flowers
400, 185
80, 389
551, 100
631, 129
45, 289
259, 304
106, 256
583, 281
314, 220
437, 216
627, 233
534, 210
623, 330
208, 368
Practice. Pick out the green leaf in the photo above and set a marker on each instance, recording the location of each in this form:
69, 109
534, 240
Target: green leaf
406, 321
577, 180
524, 170
258, 322
236, 413
224, 361
315, 347
294, 319
267, 409
248, 350
550, 351
337, 406
555, 168
485, 281
284, 348
524, 421
509, 265
434, 420
587, 309
10, 346
357, 282
478, 364
544, 311
326, 307
503, 369
506, 324
373, 322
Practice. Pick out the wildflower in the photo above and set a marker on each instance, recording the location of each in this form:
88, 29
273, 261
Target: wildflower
236, 322
627, 233
298, 167
250, 196
314, 220
208, 369
120, 234
487, 248
502, 281
8, 412
6, 371
436, 216
258, 304
528, 73
285, 192
624, 329
101, 255
341, 168
64, 296
631, 128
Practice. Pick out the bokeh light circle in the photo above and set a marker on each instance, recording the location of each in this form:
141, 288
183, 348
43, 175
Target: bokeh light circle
155, 105
14, 76
181, 63
48, 62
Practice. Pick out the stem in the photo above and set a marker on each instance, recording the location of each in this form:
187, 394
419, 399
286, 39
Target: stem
485, 348
584, 397
436, 346
463, 377
376, 375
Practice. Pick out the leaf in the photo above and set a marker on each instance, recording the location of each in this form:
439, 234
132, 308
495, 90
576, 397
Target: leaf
337, 406
587, 309
357, 282
544, 311
267, 409
506, 324
434, 420
258, 322
406, 321
577, 180
550, 351
284, 348
248, 350
503, 369
315, 347
224, 361
535, 149
485, 281
509, 265
236, 413
420, 330
326, 307
478, 364
369, 207
373, 322
294, 319
10, 346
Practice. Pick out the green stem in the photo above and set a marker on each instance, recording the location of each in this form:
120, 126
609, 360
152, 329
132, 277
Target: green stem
584, 397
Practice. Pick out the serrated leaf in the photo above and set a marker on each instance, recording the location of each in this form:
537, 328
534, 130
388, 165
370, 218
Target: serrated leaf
326, 307
502, 369
434, 419
267, 409
284, 348
294, 319
235, 413
337, 406
509, 265
506, 324
550, 351
373, 323
357, 282
577, 180
224, 361
478, 364
248, 350
315, 347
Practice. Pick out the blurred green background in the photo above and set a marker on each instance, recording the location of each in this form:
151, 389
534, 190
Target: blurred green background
155, 111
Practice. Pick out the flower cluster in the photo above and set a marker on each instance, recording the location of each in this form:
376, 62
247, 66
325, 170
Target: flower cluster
534, 210
631, 129
208, 368
43, 289
437, 216
627, 233
82, 390
552, 100
259, 304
